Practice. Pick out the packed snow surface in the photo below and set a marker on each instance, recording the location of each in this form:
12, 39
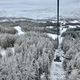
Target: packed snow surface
74, 21
57, 72
53, 36
72, 26
62, 30
18, 28
50, 27
54, 21
13, 50
3, 52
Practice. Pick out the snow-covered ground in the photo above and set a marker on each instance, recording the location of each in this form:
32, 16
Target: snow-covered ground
57, 72
53, 36
74, 21
62, 30
19, 31
3, 52
50, 27
72, 26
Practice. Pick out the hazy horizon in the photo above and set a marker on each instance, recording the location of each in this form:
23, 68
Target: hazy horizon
38, 8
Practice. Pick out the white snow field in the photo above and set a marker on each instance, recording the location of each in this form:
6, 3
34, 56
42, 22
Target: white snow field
57, 72
72, 26
18, 28
50, 27
53, 36
62, 30
3, 52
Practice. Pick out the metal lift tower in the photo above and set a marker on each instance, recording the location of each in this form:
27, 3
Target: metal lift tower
58, 33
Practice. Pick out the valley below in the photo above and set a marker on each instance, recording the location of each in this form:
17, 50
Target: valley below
29, 50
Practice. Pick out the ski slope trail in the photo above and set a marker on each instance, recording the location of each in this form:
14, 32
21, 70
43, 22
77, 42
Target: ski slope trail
57, 72
19, 31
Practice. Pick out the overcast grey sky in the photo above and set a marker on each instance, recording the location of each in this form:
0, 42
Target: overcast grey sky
43, 8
